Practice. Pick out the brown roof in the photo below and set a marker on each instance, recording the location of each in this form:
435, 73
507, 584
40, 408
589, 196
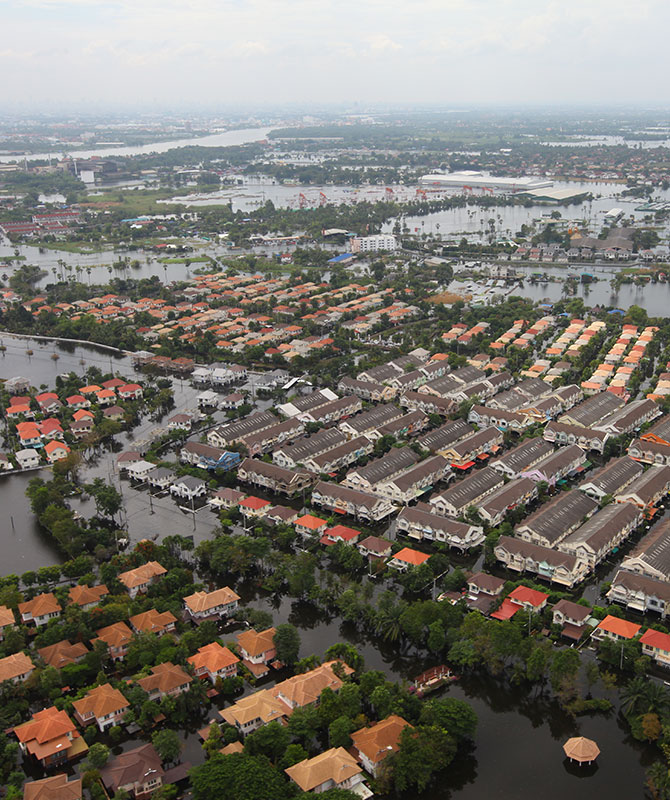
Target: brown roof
378, 740
101, 701
83, 595
334, 765
115, 635
62, 653
58, 787
256, 643
164, 678
487, 582
15, 665
142, 574
131, 767
40, 605
204, 601
375, 544
152, 621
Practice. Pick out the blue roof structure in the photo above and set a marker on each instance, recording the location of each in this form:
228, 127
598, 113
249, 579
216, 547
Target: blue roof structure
339, 259
617, 311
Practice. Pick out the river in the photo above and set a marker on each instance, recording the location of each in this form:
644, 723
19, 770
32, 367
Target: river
222, 139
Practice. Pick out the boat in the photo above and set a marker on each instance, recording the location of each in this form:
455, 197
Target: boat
431, 680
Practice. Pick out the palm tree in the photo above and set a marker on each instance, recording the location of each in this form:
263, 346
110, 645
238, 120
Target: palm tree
388, 622
633, 695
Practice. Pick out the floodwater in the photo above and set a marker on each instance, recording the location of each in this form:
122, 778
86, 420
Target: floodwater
520, 734
519, 738
223, 139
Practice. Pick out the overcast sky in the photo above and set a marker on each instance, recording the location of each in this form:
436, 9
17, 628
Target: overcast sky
177, 54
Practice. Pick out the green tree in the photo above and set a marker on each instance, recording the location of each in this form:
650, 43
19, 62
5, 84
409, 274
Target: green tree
287, 643
422, 751
269, 740
454, 716
97, 756
167, 744
339, 732
244, 777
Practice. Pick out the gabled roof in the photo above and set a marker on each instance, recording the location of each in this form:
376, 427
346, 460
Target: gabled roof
409, 556
257, 643
334, 765
13, 666
656, 639
205, 601
41, 604
522, 594
142, 574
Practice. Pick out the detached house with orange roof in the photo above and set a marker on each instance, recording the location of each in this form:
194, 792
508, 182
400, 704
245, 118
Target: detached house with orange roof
152, 621
87, 597
41, 609
374, 743
257, 650
333, 769
131, 391
165, 680
309, 525
77, 401
406, 558
58, 787
656, 645
56, 451
103, 705
62, 653
214, 661
616, 629
50, 737
6, 620
138, 580
206, 605
117, 637
16, 668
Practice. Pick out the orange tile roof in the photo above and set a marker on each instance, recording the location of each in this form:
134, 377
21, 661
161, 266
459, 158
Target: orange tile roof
656, 639
13, 666
410, 556
257, 643
213, 657
620, 627
310, 521
101, 700
380, 739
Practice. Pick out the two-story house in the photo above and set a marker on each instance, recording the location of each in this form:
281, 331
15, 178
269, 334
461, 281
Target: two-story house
214, 661
103, 706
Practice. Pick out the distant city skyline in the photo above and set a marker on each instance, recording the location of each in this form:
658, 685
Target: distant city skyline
110, 54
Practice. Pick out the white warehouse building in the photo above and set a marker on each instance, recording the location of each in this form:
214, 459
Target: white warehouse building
472, 179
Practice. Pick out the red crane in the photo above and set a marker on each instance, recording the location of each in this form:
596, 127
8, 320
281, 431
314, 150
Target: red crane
302, 200
389, 193
322, 199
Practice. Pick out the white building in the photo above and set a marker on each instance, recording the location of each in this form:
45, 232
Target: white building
373, 244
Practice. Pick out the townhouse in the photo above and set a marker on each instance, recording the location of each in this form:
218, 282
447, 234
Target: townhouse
455, 501
629, 418
207, 457
499, 418
274, 478
138, 580
640, 593
263, 441
415, 481
380, 470
560, 464
451, 432
367, 390
103, 706
494, 508
659, 433
370, 421
337, 458
522, 556
307, 402
428, 404
220, 603
605, 531
649, 452
233, 433
406, 425
593, 410
611, 479
333, 411
212, 661
555, 520
464, 453
343, 500
648, 489
522, 457
165, 680
419, 523
289, 456
562, 434
651, 557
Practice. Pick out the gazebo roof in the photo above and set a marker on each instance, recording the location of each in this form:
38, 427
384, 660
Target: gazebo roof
581, 749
